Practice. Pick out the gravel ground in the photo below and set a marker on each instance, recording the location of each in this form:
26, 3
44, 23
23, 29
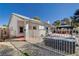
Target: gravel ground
35, 50
39, 51
6, 49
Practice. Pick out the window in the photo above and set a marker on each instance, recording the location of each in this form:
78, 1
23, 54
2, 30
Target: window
41, 27
34, 28
21, 29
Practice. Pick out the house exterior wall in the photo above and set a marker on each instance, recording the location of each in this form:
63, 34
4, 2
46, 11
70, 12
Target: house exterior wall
30, 31
34, 36
0, 33
42, 30
14, 26
38, 32
26, 31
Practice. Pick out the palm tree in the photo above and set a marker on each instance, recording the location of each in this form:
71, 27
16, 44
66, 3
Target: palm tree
73, 23
75, 19
76, 12
57, 23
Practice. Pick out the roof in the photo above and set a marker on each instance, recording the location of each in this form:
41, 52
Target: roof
21, 16
29, 19
25, 17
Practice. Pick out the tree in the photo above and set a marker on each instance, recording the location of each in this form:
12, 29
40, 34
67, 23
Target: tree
36, 18
76, 12
57, 23
75, 19
67, 21
72, 21
5, 25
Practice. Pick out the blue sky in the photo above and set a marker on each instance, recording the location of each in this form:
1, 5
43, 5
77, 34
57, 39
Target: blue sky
46, 12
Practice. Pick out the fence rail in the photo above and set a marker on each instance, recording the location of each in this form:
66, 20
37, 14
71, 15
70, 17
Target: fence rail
66, 45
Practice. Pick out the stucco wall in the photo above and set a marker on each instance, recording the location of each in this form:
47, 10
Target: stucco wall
13, 26
40, 30
0, 33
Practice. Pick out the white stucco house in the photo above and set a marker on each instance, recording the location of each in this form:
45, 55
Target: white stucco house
20, 26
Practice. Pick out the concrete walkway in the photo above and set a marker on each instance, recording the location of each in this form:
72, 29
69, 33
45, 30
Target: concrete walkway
9, 51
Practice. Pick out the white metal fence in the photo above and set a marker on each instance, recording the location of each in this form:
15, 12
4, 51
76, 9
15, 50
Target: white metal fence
64, 44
